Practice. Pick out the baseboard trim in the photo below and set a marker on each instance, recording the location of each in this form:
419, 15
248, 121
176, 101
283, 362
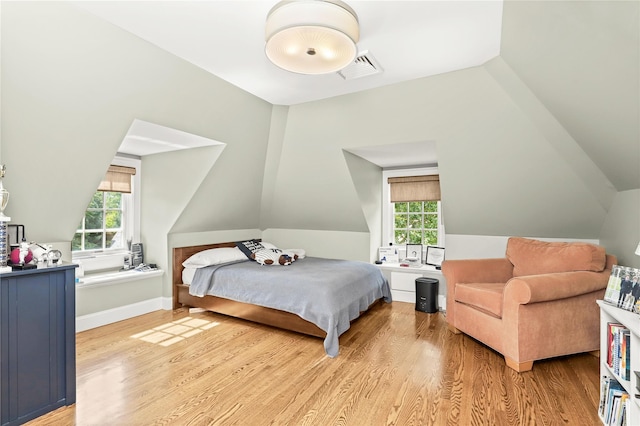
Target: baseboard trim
109, 316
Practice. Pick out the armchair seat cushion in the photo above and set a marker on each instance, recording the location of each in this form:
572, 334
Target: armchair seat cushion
484, 296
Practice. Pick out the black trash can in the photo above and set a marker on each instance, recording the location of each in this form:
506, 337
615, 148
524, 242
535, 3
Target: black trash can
427, 294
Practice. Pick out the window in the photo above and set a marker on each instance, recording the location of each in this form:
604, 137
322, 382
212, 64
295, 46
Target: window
111, 220
412, 221
416, 222
103, 224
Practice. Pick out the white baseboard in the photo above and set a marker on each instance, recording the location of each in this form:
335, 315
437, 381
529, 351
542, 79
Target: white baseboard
109, 316
167, 303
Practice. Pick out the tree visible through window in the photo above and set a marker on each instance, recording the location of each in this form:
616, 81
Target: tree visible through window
416, 223
101, 227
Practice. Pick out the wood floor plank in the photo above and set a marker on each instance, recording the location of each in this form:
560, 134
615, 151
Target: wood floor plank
396, 367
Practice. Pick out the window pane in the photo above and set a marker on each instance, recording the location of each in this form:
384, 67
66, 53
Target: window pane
113, 200
415, 237
400, 221
93, 240
401, 237
431, 221
96, 201
76, 243
93, 220
431, 206
416, 206
400, 207
113, 219
415, 221
114, 240
431, 238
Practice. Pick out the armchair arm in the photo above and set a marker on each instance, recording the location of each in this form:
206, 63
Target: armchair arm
561, 285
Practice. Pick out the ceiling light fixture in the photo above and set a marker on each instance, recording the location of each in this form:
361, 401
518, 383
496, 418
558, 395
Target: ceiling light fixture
311, 36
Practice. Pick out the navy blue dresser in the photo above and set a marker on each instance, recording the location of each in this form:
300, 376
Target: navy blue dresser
37, 342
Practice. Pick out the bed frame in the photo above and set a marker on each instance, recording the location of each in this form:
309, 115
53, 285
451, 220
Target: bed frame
258, 314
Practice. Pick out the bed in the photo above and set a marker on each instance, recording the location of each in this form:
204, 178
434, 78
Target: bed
322, 307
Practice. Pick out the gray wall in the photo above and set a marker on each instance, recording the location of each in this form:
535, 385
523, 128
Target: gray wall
72, 85
621, 230
582, 61
500, 173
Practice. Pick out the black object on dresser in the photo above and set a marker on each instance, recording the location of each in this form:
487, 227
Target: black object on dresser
37, 342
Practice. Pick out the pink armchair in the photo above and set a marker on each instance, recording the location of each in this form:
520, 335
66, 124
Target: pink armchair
536, 303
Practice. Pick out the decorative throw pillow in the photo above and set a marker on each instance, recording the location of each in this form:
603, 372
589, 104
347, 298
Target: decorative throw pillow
295, 253
272, 257
532, 257
249, 247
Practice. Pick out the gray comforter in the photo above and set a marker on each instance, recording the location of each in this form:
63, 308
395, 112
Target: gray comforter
327, 292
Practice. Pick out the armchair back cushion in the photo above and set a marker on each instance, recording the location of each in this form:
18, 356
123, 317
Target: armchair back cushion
533, 257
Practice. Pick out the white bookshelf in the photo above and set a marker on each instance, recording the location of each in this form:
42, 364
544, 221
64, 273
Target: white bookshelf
611, 314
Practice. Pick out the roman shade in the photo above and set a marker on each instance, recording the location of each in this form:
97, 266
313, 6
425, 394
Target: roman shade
414, 188
117, 179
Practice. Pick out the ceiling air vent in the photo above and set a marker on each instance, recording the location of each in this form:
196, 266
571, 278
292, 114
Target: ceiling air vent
364, 64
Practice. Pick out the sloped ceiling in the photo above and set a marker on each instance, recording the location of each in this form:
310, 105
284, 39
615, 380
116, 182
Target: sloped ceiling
408, 39
579, 57
582, 60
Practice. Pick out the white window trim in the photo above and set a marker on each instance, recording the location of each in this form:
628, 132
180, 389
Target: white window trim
133, 214
387, 210
114, 259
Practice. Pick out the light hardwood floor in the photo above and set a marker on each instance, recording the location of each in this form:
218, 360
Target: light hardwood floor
396, 367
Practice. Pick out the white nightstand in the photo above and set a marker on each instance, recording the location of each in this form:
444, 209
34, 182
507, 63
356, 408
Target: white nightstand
403, 282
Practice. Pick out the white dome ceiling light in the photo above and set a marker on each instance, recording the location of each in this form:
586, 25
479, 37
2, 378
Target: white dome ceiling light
312, 36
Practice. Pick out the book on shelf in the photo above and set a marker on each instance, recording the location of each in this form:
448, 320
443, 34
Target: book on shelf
625, 354
612, 332
623, 288
626, 414
618, 410
613, 397
619, 350
604, 390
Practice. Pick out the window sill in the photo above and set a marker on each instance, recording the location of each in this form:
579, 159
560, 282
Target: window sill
100, 279
421, 269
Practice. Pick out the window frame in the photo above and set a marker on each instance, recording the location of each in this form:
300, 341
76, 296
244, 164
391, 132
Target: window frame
104, 210
131, 213
424, 213
388, 235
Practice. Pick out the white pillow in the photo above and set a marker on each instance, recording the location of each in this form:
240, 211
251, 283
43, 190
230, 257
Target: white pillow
214, 257
187, 274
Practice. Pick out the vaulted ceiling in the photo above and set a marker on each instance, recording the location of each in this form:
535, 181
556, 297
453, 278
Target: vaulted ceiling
581, 59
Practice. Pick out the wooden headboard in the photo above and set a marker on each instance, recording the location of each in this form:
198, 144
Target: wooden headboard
180, 254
